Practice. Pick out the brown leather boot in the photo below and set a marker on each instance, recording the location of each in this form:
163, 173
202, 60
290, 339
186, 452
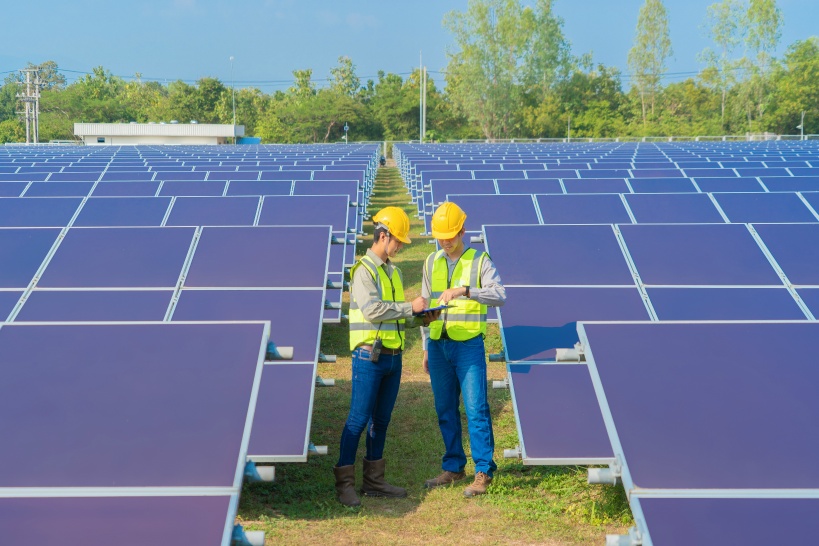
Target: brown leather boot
374, 483
445, 478
345, 485
479, 486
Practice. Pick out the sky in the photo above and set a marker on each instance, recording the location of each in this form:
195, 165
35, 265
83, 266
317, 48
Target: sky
168, 40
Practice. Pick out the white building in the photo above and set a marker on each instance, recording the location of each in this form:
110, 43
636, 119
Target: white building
121, 134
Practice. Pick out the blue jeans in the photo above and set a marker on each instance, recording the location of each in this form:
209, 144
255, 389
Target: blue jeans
375, 388
459, 368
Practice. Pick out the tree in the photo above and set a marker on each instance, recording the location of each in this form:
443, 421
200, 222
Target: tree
651, 49
724, 25
764, 30
343, 78
500, 47
795, 89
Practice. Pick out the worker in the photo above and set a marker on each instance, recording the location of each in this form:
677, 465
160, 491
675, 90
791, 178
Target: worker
378, 316
454, 352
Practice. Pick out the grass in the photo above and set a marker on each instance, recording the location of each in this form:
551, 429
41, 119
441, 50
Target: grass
525, 504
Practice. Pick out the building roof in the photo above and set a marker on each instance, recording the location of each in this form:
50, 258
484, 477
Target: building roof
159, 129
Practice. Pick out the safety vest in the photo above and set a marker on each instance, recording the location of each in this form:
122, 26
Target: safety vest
466, 318
389, 289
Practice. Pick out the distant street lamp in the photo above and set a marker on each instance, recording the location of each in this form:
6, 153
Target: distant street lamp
233, 95
801, 127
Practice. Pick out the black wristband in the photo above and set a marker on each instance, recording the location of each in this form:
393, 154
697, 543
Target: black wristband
467, 290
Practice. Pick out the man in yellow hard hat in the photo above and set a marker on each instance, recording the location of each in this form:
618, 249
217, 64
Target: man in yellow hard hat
378, 316
454, 355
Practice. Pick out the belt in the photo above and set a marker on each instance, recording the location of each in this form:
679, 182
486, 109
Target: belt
384, 350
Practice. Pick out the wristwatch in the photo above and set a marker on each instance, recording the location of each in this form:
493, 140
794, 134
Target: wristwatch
467, 290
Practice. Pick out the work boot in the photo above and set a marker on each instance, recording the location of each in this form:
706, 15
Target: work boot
374, 483
479, 486
445, 478
345, 485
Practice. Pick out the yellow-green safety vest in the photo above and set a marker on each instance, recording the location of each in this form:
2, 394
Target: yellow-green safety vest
466, 318
389, 289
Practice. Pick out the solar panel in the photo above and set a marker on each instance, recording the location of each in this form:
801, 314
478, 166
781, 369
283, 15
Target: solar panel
442, 188
12, 189
684, 208
729, 185
193, 189
105, 434
119, 257
724, 304
213, 211
252, 257
95, 306
123, 211
795, 248
302, 210
583, 209
764, 207
529, 186
40, 212
262, 187
706, 254
791, 183
495, 209
679, 419
135, 521
537, 320
22, 252
596, 185
286, 389
662, 185
294, 315
591, 255
61, 189
543, 395
811, 298
125, 189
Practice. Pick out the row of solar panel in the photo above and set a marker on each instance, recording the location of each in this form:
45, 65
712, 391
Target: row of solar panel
666, 208
133, 174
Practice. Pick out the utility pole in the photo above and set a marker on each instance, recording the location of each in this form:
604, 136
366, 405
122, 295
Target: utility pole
31, 103
801, 127
424, 109
420, 98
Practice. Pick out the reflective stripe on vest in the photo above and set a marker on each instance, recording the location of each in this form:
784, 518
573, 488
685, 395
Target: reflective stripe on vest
392, 290
466, 318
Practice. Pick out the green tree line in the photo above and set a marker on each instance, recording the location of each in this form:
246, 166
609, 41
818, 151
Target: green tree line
511, 73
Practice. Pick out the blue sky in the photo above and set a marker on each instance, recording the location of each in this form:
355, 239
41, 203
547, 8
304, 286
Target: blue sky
189, 39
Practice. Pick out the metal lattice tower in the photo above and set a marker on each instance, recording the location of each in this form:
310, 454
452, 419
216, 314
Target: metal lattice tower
31, 102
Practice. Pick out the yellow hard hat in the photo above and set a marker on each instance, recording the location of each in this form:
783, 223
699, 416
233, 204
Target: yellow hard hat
396, 221
447, 221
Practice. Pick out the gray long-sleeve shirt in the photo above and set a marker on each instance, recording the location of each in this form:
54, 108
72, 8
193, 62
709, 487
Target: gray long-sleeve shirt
364, 290
491, 292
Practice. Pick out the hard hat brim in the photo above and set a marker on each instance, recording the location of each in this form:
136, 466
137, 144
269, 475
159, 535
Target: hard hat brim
406, 240
445, 234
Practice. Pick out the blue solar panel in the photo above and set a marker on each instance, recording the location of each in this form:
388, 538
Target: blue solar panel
684, 208
252, 257
724, 304
704, 254
496, 209
235, 175
95, 306
729, 185
12, 189
119, 257
582, 209
592, 252
791, 183
560, 173
123, 211
304, 210
662, 185
764, 207
110, 175
811, 298
7, 302
529, 186
795, 248
543, 395
213, 211
125, 189
641, 172
294, 315
262, 187
22, 251
193, 189
536, 321
442, 188
120, 404
74, 176
604, 173
695, 381
813, 199
596, 185
37, 212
